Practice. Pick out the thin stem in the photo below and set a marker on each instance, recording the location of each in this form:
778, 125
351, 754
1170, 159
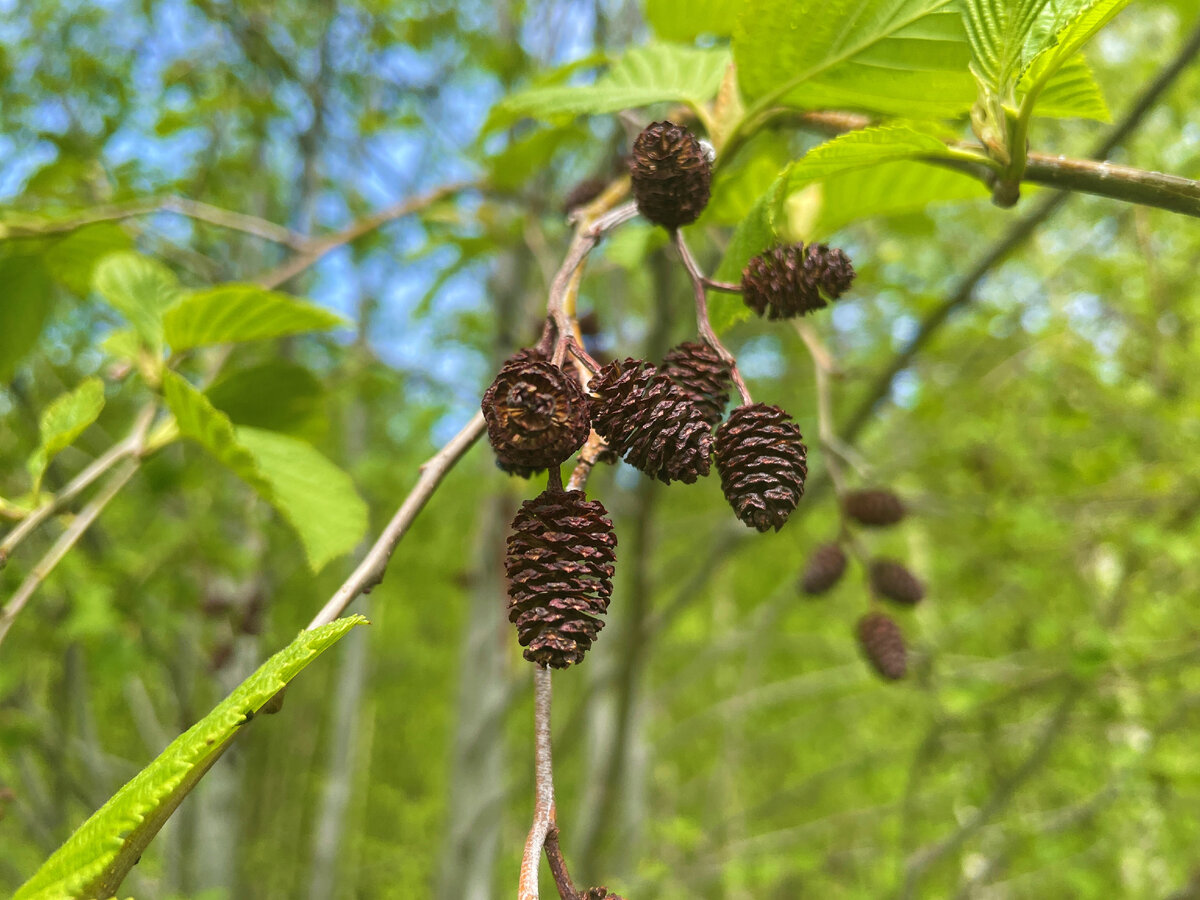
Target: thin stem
702, 322
371, 570
588, 457
558, 867
65, 542
315, 249
543, 805
725, 287
191, 209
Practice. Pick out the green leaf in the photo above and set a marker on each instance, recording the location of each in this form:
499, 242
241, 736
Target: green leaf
894, 188
24, 307
317, 498
865, 147
313, 495
1066, 42
685, 20
72, 258
998, 31
1071, 92
96, 858
234, 313
140, 289
899, 57
64, 420
754, 234
198, 420
653, 73
277, 396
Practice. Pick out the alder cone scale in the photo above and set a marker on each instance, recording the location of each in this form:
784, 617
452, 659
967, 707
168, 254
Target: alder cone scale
698, 370
536, 415
559, 566
762, 460
882, 643
793, 280
671, 175
649, 421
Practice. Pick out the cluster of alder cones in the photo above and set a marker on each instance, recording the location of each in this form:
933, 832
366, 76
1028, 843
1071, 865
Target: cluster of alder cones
667, 420
879, 635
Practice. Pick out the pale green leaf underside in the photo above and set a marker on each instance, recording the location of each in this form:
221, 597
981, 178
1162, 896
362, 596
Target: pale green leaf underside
139, 288
95, 859
1071, 92
684, 20
317, 498
64, 420
313, 495
998, 31
1067, 41
234, 313
654, 73
893, 56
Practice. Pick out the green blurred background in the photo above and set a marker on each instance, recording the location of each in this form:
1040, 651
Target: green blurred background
723, 739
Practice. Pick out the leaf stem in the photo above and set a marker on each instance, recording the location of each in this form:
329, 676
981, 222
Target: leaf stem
703, 325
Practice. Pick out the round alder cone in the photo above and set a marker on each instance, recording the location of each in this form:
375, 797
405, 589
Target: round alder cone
882, 643
671, 175
873, 507
892, 580
825, 569
560, 566
698, 370
762, 461
652, 423
536, 415
793, 280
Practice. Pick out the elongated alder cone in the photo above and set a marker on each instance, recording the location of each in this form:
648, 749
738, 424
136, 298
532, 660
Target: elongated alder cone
824, 569
891, 579
583, 193
762, 460
649, 421
698, 370
560, 566
793, 280
874, 507
536, 415
671, 175
882, 643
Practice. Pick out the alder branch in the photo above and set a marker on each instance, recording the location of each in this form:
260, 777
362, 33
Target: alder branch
315, 249
371, 570
65, 542
543, 807
1017, 234
191, 209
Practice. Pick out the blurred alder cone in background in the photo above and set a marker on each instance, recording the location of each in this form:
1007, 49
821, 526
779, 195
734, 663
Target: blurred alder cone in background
873, 507
892, 579
824, 569
882, 643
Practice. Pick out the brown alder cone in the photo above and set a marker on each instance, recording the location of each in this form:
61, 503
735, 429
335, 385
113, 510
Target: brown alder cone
583, 193
649, 421
793, 280
671, 174
825, 568
882, 643
891, 579
559, 565
762, 460
873, 507
698, 369
536, 415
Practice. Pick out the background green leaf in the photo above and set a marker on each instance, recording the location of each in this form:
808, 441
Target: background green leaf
63, 421
140, 289
653, 73
901, 57
277, 395
683, 20
25, 303
95, 860
234, 313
